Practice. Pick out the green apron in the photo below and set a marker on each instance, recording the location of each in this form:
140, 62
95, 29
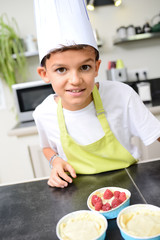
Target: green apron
106, 154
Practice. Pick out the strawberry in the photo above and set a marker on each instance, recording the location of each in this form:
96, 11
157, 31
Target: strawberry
122, 196
106, 207
107, 194
95, 199
98, 205
116, 202
116, 194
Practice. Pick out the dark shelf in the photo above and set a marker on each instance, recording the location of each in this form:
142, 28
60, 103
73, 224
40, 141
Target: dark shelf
137, 37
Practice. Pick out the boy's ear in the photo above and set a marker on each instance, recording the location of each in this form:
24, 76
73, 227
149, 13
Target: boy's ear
43, 74
98, 62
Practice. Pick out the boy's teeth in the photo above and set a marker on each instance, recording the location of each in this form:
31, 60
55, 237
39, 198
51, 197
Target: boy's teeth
75, 91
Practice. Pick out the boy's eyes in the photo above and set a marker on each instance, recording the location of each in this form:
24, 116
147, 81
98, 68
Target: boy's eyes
82, 68
61, 70
85, 67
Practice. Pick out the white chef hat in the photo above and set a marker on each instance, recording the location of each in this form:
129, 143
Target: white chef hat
62, 23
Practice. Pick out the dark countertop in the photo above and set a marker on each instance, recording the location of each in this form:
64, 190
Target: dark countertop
31, 210
146, 176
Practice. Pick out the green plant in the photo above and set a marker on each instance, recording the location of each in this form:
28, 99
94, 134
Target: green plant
10, 43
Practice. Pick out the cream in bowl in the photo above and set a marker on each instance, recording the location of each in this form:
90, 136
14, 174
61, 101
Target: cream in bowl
82, 224
109, 201
140, 221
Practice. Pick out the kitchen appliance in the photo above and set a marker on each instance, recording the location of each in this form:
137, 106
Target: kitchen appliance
117, 74
144, 91
28, 96
116, 71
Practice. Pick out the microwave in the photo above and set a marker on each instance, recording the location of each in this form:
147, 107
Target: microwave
28, 96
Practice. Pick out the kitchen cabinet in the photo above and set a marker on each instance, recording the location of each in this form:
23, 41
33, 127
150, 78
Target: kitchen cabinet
40, 164
137, 37
27, 135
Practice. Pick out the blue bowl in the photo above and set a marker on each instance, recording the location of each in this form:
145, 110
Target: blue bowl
133, 209
113, 213
75, 214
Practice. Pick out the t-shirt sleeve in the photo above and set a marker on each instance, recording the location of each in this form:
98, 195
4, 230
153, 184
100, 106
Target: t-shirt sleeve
142, 122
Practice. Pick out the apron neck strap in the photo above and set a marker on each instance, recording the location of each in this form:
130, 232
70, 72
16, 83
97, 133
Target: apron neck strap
97, 101
60, 116
99, 110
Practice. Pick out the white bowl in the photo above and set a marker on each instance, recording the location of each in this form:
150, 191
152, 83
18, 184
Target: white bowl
113, 213
139, 209
97, 218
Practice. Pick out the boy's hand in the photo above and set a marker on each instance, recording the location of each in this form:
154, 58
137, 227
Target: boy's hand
59, 177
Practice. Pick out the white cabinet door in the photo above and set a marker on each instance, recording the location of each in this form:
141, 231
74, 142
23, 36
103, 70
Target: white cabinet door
39, 162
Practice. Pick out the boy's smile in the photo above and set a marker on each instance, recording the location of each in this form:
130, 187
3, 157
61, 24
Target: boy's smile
72, 74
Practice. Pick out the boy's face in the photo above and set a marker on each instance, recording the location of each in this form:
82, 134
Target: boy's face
72, 74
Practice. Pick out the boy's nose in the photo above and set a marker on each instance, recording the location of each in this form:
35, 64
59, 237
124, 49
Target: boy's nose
75, 78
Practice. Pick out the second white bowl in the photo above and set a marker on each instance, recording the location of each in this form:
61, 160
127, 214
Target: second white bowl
140, 222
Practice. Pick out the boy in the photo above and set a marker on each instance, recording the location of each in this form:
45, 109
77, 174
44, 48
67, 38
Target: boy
86, 128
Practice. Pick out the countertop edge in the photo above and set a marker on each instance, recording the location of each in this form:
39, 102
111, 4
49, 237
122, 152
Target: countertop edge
24, 131
25, 181
45, 178
155, 110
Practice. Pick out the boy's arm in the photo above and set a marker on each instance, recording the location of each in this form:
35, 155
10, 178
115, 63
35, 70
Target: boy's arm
59, 177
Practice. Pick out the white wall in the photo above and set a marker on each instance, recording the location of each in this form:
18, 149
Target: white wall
146, 54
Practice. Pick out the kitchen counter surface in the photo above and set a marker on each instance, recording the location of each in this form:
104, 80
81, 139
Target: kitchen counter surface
146, 176
155, 110
31, 210
23, 129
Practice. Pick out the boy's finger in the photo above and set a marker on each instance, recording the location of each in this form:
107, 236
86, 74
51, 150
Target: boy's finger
54, 184
71, 170
57, 182
65, 176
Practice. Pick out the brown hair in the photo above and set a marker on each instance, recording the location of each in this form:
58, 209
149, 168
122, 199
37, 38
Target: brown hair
65, 48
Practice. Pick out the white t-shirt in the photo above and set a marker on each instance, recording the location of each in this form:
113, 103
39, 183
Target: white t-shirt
125, 113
